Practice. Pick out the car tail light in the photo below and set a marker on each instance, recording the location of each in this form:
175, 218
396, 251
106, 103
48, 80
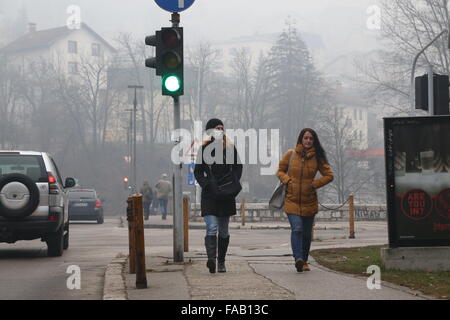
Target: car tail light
53, 187
53, 217
97, 203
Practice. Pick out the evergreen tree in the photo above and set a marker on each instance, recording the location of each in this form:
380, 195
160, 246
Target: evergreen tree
292, 79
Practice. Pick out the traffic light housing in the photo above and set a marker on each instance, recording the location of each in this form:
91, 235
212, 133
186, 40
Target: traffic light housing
172, 61
441, 93
168, 60
154, 62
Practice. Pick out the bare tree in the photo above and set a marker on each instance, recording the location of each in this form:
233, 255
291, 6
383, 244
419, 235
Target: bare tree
9, 80
407, 26
202, 63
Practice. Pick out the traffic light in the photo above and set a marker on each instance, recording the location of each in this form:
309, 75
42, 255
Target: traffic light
168, 60
440, 94
154, 62
125, 183
172, 61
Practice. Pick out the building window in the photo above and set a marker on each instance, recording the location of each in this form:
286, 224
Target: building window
348, 122
95, 49
73, 67
72, 47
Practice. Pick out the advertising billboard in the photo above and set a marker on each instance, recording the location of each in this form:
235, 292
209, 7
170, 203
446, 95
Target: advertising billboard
417, 153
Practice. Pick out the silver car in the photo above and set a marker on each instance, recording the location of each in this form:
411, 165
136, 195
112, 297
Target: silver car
33, 200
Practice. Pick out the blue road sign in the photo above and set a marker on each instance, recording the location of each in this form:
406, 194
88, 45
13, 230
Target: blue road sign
190, 176
174, 5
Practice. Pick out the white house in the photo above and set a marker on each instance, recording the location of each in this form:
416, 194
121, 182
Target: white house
62, 47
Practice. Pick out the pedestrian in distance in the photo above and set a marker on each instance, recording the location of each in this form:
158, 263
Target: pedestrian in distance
163, 190
147, 198
218, 171
297, 170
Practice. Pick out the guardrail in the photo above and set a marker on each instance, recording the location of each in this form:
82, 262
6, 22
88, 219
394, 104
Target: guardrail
260, 212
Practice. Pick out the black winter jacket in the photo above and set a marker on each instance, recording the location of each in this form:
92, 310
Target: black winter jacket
209, 205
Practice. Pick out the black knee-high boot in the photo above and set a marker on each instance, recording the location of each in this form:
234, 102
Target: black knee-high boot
211, 252
222, 252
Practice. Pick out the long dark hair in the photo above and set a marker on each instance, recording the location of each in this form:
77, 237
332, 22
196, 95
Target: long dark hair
320, 152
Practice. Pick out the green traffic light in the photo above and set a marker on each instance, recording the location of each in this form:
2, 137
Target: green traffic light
172, 83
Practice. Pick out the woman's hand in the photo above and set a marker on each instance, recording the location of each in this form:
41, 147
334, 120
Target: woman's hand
311, 188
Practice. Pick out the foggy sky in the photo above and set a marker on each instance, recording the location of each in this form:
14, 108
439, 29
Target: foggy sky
340, 23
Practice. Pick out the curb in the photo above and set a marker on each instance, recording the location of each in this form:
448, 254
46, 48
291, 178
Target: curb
114, 287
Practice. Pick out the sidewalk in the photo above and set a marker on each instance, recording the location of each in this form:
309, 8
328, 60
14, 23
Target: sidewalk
156, 222
254, 279
256, 273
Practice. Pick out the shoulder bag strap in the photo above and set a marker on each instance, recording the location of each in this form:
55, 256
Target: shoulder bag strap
290, 160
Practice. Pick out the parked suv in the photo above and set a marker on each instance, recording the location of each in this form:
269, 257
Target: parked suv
84, 204
33, 200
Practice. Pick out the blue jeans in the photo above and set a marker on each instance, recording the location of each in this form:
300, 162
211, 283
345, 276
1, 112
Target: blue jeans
217, 224
163, 206
301, 229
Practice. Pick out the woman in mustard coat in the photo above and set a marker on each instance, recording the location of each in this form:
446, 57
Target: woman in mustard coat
298, 169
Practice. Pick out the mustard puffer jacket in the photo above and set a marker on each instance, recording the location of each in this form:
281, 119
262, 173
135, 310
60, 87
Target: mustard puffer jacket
301, 196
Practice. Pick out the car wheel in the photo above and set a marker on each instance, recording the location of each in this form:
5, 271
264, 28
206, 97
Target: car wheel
55, 243
19, 196
100, 220
66, 239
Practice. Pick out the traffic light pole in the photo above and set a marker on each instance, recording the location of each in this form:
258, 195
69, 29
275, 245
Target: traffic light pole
430, 90
178, 238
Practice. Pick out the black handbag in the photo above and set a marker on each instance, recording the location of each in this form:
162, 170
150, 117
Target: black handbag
227, 186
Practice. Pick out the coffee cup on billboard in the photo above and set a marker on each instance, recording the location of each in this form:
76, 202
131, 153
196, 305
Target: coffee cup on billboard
427, 162
400, 163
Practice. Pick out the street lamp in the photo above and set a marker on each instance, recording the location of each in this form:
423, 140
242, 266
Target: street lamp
134, 183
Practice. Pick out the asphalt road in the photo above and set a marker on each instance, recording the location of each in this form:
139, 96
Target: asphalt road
26, 273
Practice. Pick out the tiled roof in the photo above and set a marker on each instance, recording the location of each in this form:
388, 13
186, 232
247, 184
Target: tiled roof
36, 40
44, 39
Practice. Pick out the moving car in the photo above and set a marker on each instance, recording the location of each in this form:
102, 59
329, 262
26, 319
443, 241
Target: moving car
85, 205
33, 200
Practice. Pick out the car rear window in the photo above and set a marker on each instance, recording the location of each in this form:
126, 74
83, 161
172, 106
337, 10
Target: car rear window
81, 195
31, 166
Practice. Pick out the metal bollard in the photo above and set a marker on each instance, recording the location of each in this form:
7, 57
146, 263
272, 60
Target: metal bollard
131, 237
141, 272
243, 212
351, 217
186, 209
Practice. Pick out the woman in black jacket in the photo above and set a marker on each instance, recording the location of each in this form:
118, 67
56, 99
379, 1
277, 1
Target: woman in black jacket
216, 211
